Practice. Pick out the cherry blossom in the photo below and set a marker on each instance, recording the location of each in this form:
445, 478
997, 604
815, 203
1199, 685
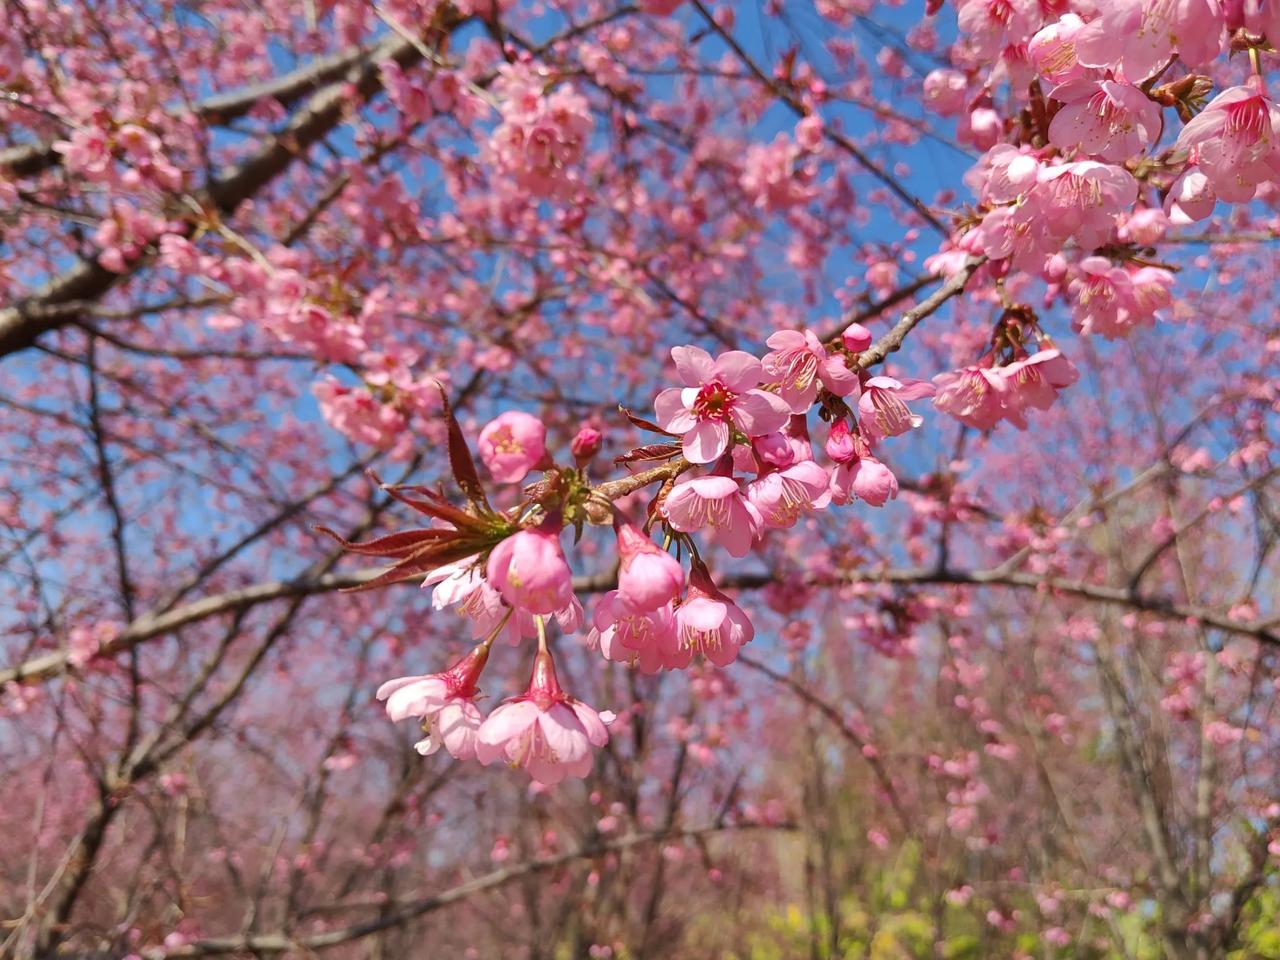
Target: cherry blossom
543, 731
719, 396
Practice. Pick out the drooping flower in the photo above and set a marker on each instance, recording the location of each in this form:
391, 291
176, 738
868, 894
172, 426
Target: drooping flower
544, 730
1236, 142
718, 395
882, 409
529, 569
446, 703
783, 496
1106, 118
646, 641
714, 503
865, 478
648, 576
799, 362
1082, 200
1034, 382
974, 395
709, 623
1103, 295
512, 444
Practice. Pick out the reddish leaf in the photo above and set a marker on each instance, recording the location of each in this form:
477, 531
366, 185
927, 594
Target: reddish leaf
652, 451
644, 424
439, 508
460, 460
392, 545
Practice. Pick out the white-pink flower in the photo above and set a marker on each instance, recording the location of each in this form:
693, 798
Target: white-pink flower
799, 362
446, 703
718, 396
715, 504
882, 409
544, 731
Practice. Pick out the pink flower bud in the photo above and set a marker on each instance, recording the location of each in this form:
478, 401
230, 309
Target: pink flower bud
774, 449
530, 571
586, 443
648, 577
856, 338
840, 446
512, 444
874, 482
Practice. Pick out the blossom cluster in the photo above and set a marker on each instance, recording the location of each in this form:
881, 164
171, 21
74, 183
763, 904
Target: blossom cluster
738, 461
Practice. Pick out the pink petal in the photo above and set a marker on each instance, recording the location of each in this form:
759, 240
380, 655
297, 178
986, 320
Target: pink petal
672, 413
757, 413
706, 441
738, 370
693, 364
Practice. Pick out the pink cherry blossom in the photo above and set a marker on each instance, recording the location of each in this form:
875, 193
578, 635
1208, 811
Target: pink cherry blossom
840, 444
783, 496
1236, 142
715, 504
1139, 36
799, 362
646, 641
718, 397
709, 623
544, 731
945, 91
648, 576
1191, 197
1034, 382
445, 701
974, 395
1005, 173
865, 478
1052, 50
1256, 16
512, 444
882, 409
991, 25
529, 570
856, 338
1082, 200
1106, 118
1103, 296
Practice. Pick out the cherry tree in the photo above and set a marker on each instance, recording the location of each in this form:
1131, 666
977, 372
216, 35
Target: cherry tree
602, 479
